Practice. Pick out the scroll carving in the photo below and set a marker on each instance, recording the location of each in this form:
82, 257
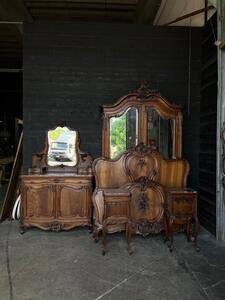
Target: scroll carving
56, 226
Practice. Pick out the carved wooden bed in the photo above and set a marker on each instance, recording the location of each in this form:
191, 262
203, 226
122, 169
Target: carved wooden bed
146, 175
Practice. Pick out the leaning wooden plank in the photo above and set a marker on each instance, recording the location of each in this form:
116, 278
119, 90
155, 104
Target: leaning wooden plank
12, 188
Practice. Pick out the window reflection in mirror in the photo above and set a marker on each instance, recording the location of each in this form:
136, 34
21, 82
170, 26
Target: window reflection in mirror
123, 132
160, 133
61, 147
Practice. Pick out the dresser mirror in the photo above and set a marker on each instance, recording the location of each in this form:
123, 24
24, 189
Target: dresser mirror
142, 116
61, 147
160, 132
123, 131
61, 154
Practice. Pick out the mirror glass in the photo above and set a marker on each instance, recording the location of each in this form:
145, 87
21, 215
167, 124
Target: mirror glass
160, 133
123, 132
61, 147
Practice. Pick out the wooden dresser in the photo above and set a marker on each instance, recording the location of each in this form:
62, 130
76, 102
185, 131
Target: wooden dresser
56, 195
54, 202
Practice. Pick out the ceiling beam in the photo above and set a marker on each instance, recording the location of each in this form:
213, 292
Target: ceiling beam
14, 10
146, 11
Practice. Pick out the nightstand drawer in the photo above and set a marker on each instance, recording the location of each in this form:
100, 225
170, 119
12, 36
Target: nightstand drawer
116, 203
183, 205
181, 214
181, 202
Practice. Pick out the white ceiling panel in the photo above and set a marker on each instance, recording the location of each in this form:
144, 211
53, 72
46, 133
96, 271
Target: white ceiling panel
170, 10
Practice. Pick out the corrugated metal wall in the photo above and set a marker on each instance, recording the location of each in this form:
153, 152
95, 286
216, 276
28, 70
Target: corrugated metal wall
208, 117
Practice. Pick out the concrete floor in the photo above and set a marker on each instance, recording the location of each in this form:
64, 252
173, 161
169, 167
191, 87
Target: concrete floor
69, 265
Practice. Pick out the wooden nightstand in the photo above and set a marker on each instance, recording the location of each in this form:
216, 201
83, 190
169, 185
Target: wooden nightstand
181, 214
116, 215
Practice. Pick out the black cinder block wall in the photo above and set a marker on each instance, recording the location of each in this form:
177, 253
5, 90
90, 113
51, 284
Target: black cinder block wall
70, 70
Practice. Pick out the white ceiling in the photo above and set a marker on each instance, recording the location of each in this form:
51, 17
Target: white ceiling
170, 10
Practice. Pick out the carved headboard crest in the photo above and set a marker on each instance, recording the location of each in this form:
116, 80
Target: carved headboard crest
141, 161
142, 149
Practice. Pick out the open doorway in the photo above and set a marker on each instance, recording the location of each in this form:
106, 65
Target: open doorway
10, 125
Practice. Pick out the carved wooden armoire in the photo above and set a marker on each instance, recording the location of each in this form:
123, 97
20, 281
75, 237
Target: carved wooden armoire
56, 195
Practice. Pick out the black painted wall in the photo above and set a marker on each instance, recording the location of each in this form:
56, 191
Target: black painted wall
70, 70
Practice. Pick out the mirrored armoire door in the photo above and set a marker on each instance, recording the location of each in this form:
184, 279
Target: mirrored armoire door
142, 116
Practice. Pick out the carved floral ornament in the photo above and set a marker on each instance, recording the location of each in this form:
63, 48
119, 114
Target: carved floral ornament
143, 204
145, 228
56, 226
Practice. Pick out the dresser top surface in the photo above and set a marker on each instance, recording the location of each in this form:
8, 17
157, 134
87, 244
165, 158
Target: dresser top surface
181, 191
58, 175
